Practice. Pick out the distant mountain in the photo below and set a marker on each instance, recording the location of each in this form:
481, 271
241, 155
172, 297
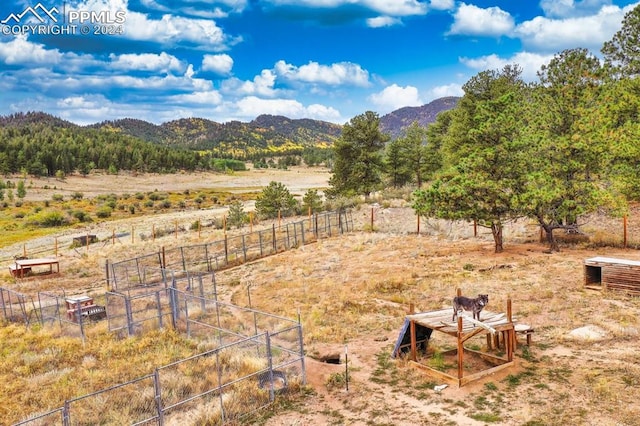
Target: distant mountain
20, 119
266, 132
265, 135
397, 121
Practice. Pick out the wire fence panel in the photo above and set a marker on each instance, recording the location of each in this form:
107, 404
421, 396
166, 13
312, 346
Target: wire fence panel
129, 273
50, 418
17, 307
129, 403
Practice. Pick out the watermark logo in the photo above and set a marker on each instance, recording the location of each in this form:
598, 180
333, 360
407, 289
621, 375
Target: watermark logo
50, 13
42, 20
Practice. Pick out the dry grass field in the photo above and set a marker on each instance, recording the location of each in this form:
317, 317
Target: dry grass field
354, 290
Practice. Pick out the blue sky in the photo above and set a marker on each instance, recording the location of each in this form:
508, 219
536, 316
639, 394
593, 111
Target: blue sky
159, 60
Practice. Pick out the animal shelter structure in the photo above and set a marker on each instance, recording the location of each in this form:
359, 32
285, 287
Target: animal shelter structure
607, 273
419, 327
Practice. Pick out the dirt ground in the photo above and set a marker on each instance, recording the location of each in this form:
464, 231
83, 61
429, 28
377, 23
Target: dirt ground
352, 292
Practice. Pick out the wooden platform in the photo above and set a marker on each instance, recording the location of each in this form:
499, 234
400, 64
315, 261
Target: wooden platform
462, 329
441, 321
21, 267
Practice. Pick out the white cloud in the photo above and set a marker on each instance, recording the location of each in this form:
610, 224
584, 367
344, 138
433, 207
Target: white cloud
220, 64
211, 97
472, 20
253, 106
452, 89
20, 51
162, 62
85, 109
571, 8
386, 7
552, 35
394, 97
383, 21
262, 85
170, 30
442, 4
529, 62
342, 73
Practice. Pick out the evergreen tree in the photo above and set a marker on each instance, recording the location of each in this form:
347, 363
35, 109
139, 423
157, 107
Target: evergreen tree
275, 199
358, 157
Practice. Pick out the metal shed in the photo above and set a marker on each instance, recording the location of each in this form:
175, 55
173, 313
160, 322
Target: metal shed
607, 273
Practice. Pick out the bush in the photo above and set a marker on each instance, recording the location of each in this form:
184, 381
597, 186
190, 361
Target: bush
104, 212
77, 196
82, 216
57, 197
48, 219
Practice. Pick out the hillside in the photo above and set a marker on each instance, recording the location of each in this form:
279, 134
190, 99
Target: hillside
265, 136
395, 122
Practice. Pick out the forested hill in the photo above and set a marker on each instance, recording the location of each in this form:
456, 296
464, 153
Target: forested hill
267, 133
40, 144
397, 121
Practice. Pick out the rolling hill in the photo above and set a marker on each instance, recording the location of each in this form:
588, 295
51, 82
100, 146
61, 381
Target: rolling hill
266, 135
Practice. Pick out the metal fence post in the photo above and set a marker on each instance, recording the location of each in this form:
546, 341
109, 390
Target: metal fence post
173, 304
158, 397
127, 307
301, 343
272, 394
159, 305
66, 416
244, 249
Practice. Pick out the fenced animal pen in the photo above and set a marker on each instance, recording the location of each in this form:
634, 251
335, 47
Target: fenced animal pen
228, 252
218, 386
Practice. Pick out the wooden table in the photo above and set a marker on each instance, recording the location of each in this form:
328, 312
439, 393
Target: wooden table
23, 266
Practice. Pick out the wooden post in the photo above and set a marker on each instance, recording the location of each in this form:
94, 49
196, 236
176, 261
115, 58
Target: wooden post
460, 350
153, 232
460, 343
199, 228
106, 270
113, 237
251, 222
475, 228
224, 224
510, 341
164, 259
624, 244
279, 217
371, 219
132, 235
418, 219
412, 330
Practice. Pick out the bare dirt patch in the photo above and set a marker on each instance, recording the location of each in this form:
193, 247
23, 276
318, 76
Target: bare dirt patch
297, 180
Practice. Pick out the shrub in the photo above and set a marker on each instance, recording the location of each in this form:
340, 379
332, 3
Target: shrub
77, 196
165, 204
139, 196
57, 197
104, 212
82, 216
48, 219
